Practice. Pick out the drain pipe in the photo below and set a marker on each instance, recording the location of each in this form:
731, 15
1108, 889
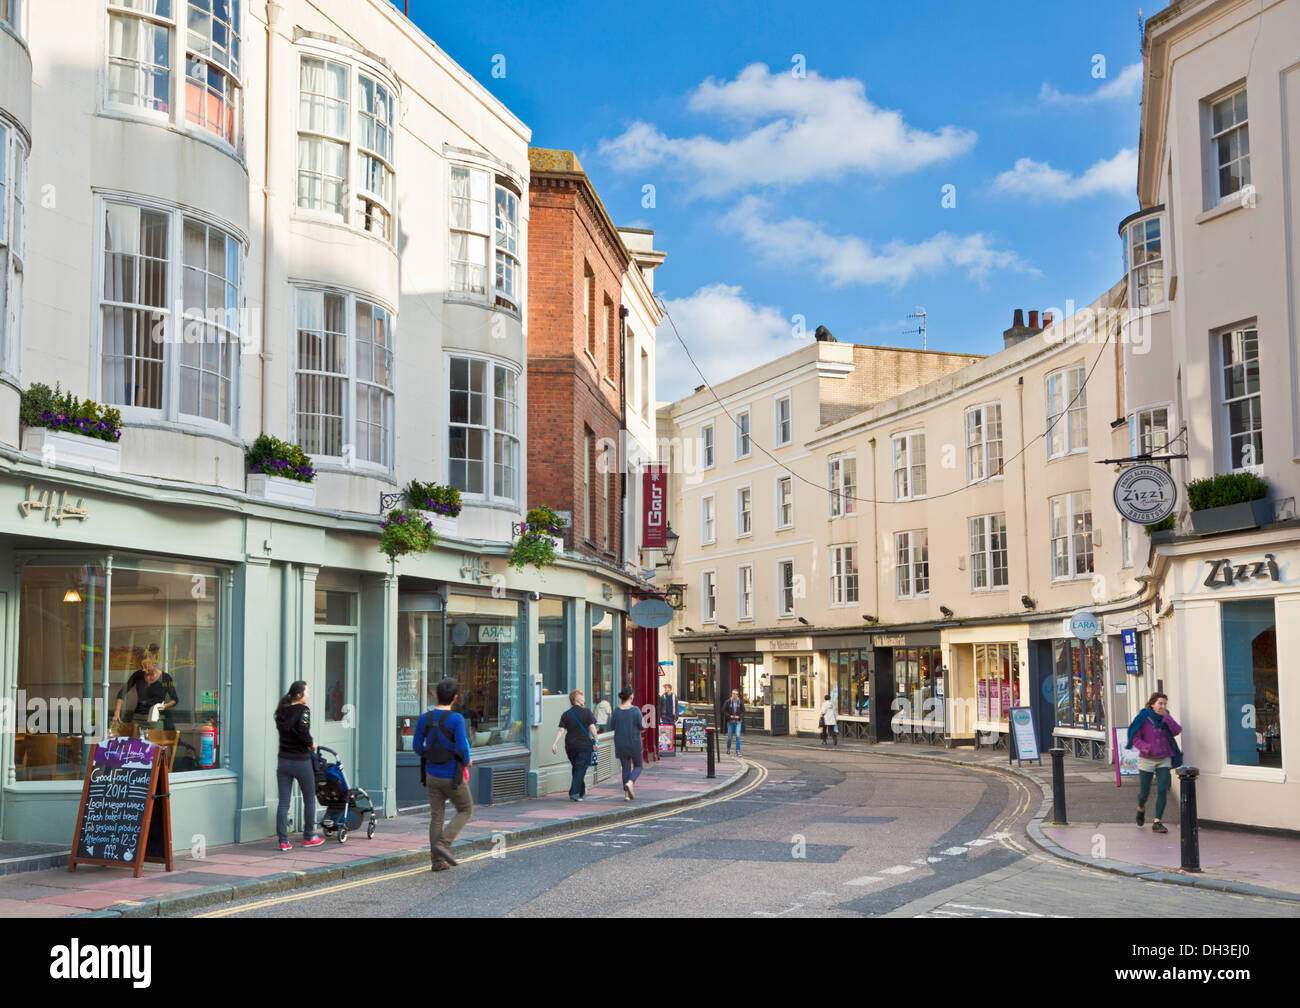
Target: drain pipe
875, 533
1024, 482
273, 11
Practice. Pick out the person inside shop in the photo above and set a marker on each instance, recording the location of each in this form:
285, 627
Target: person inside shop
155, 693
578, 729
1152, 735
601, 711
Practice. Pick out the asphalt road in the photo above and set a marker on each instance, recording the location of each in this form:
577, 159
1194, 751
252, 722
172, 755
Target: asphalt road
860, 835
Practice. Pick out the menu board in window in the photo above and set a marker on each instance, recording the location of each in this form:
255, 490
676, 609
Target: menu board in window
125, 813
408, 692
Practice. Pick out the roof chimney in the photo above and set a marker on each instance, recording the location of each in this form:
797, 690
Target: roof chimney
1033, 318
1047, 320
1019, 332
1018, 319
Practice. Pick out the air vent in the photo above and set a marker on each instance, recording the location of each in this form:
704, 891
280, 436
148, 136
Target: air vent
509, 784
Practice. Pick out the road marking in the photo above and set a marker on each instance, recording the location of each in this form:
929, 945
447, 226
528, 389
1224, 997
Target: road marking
897, 869
934, 860
865, 880
954, 851
978, 842
819, 892
767, 913
996, 910
230, 911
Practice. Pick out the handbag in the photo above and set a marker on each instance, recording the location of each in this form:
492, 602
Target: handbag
583, 728
821, 721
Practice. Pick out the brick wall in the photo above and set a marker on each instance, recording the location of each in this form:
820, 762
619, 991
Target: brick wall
881, 373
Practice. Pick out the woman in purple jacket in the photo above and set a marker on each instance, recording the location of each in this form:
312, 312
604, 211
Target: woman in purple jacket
1152, 735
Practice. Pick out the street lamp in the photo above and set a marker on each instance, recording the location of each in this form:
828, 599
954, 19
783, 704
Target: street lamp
670, 547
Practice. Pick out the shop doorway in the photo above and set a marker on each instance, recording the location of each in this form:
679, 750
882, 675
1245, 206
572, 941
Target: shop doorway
334, 699
780, 705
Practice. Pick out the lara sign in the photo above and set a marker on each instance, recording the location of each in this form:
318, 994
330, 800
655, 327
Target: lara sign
1145, 494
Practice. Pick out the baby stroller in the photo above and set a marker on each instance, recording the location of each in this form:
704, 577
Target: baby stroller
345, 808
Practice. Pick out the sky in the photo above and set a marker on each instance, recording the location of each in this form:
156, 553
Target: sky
837, 164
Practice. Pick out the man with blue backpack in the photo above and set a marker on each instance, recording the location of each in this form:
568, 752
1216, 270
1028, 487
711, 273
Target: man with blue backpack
443, 747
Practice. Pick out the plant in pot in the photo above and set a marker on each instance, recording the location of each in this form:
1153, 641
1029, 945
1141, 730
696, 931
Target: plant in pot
280, 471
1162, 531
540, 541
1228, 502
64, 428
441, 504
406, 531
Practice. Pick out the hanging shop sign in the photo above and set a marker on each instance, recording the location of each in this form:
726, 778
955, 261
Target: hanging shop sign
1084, 625
1130, 639
652, 613
1225, 573
654, 516
1145, 494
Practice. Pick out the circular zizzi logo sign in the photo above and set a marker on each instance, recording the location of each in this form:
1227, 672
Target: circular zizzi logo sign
1145, 494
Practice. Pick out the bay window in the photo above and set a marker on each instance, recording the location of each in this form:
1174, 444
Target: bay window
474, 233
330, 142
912, 564
1070, 525
153, 258
144, 39
13, 177
1146, 269
1067, 412
483, 431
983, 442
909, 465
1149, 432
343, 405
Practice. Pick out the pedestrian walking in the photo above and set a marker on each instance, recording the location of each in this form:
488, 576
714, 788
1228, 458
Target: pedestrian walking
1152, 735
293, 722
578, 729
829, 725
445, 757
628, 724
668, 710
734, 711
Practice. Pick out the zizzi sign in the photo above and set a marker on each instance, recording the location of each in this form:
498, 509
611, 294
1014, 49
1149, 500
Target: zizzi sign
1145, 494
1225, 573
654, 523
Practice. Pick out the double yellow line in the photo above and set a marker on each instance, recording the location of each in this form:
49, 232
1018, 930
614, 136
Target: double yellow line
231, 911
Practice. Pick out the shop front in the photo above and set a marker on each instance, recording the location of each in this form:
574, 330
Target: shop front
849, 662
791, 700
1229, 651
987, 676
910, 665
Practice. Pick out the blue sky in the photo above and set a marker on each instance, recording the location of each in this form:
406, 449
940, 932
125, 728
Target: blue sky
820, 194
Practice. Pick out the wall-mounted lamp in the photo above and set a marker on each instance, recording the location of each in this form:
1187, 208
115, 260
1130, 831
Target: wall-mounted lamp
1027, 602
804, 621
689, 629
947, 613
871, 619
724, 629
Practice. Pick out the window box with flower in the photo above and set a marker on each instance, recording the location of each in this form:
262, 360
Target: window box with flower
540, 541
280, 472
439, 505
64, 429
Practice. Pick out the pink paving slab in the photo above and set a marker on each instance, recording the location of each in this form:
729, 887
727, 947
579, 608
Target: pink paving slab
86, 899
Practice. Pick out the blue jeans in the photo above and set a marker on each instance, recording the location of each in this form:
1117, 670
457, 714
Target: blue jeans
287, 771
733, 731
581, 760
631, 767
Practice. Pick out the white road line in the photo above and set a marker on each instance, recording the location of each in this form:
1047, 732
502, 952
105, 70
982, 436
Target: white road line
898, 869
933, 860
766, 913
865, 880
978, 842
996, 910
1000, 836
944, 913
954, 851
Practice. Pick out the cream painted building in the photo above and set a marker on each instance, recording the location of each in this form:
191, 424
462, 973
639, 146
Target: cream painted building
1212, 369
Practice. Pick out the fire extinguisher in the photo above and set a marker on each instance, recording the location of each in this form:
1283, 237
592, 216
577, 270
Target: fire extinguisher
406, 735
208, 746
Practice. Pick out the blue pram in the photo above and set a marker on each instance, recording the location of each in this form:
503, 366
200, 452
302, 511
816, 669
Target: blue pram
346, 808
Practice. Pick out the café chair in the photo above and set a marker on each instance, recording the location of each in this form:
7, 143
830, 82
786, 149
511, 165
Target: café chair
168, 740
40, 756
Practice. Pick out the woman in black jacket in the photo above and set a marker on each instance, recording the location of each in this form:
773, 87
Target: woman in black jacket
293, 720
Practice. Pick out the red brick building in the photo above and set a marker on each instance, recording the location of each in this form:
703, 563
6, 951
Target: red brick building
575, 371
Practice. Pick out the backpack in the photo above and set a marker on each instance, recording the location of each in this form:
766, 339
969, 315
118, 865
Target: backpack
437, 752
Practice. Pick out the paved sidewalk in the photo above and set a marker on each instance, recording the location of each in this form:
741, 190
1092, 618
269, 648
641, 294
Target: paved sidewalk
1102, 831
238, 871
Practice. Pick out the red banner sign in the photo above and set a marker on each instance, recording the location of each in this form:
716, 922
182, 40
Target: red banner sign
654, 508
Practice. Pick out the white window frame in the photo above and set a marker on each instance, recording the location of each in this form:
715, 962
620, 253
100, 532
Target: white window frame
981, 451
744, 434
843, 486
1226, 402
13, 217
744, 514
779, 505
1238, 127
709, 596
14, 22
1138, 443
783, 437
708, 520
909, 468
708, 446
912, 556
745, 594
351, 380
1125, 548
177, 114
1076, 512
1145, 260
490, 429
781, 611
985, 550
845, 575
1069, 400
169, 412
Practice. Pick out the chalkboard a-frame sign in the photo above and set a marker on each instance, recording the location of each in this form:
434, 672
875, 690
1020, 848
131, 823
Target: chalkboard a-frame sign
125, 815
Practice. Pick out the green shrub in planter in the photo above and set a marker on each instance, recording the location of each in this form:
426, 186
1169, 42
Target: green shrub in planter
535, 544
270, 456
41, 406
1225, 490
1167, 525
405, 531
443, 500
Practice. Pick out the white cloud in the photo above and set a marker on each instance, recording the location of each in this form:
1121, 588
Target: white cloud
1037, 180
727, 334
847, 260
792, 130
1126, 86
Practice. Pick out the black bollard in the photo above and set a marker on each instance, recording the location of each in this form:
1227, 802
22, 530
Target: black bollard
1187, 811
712, 749
1058, 787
